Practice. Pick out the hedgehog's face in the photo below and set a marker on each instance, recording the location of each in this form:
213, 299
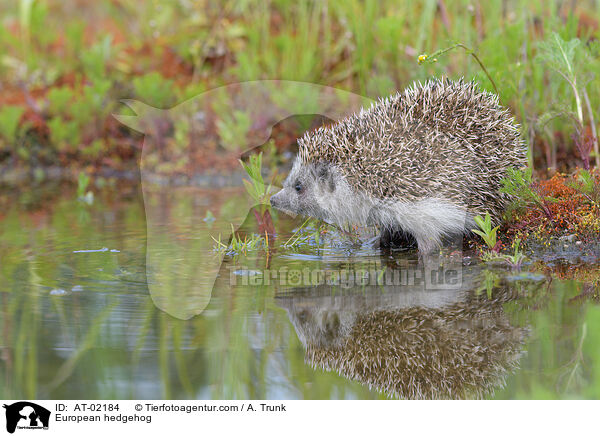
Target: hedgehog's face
316, 324
306, 189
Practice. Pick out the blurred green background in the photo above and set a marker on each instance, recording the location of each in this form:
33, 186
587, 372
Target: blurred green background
64, 65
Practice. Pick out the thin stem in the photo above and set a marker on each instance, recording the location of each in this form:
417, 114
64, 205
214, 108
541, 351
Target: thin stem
296, 232
572, 82
593, 126
469, 51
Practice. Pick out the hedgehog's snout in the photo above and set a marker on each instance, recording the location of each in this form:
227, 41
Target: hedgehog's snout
275, 201
278, 201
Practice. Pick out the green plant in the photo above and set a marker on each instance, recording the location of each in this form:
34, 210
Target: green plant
209, 218
74, 32
65, 135
233, 129
10, 117
304, 99
490, 281
423, 58
76, 114
31, 18
486, 231
256, 186
95, 58
82, 194
154, 89
586, 180
241, 246
519, 185
310, 230
92, 106
82, 183
94, 149
82, 111
517, 258
95, 96
291, 54
191, 90
25, 18
360, 17
59, 100
560, 56
588, 186
569, 60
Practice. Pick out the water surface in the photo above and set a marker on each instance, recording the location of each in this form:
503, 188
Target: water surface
78, 320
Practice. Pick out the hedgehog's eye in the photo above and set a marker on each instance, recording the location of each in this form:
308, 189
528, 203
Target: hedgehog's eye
298, 186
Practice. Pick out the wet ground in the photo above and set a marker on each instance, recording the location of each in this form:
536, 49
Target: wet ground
126, 298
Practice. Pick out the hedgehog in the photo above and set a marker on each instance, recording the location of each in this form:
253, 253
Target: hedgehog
407, 343
418, 165
461, 352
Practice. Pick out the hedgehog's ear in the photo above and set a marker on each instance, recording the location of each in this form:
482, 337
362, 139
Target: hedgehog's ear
325, 176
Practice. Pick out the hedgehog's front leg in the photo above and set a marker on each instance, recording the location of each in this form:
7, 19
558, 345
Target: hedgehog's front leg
428, 221
396, 238
427, 243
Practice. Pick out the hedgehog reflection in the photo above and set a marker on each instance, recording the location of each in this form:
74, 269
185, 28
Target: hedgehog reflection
436, 349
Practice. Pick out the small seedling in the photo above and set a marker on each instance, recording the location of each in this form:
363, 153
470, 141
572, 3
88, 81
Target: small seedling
241, 246
82, 183
487, 232
256, 187
516, 259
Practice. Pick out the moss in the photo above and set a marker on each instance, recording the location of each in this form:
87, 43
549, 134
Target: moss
573, 224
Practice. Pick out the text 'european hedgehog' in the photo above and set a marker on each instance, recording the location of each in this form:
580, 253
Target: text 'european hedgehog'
422, 162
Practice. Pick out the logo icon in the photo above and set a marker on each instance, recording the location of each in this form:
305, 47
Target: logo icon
262, 103
26, 415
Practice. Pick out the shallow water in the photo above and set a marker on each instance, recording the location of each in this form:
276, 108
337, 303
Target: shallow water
110, 300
